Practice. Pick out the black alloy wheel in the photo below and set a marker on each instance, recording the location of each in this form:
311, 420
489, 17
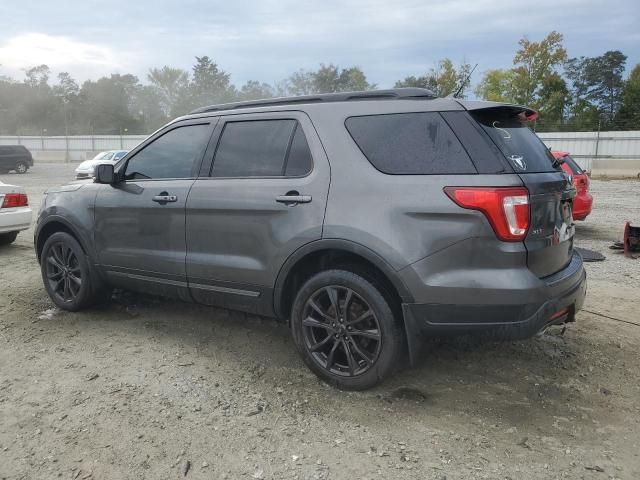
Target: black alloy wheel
63, 272
341, 331
345, 328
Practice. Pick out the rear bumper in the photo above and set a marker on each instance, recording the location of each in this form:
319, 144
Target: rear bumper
551, 300
15, 219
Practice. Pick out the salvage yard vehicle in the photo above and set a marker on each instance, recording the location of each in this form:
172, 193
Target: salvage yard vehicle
16, 158
15, 213
583, 201
368, 220
87, 168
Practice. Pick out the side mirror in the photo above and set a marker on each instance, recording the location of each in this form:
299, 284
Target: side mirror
105, 174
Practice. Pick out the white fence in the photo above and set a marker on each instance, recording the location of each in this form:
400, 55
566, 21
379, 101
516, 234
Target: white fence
607, 153
73, 148
598, 150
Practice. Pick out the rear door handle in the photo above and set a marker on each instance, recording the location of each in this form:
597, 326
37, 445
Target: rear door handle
164, 197
293, 199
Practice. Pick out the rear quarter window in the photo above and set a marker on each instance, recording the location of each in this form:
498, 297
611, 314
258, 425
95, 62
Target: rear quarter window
410, 144
518, 143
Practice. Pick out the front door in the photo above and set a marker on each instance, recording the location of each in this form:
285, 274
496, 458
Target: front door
263, 197
140, 221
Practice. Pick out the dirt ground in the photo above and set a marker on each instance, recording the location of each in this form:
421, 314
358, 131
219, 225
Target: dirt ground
151, 389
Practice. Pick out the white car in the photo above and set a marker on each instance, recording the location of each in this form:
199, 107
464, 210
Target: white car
15, 214
87, 168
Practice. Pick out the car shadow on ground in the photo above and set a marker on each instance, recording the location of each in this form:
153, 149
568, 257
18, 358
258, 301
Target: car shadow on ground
517, 383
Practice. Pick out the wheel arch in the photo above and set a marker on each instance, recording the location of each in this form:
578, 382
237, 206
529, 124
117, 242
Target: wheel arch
332, 253
53, 225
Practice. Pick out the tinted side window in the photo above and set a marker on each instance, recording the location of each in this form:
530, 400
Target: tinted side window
299, 161
172, 155
519, 144
253, 148
484, 154
409, 144
6, 151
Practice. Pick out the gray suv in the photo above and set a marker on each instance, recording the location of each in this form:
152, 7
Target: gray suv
367, 220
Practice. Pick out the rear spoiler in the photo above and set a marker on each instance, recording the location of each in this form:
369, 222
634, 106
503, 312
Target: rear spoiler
527, 114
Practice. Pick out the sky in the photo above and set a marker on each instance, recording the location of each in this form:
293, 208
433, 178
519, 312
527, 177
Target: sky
268, 40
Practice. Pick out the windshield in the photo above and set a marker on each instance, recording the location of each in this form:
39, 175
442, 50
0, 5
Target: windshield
519, 144
104, 156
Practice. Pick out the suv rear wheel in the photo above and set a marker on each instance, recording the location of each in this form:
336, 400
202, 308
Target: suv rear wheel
345, 330
67, 274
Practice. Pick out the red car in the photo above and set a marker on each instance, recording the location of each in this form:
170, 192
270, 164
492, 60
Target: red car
583, 202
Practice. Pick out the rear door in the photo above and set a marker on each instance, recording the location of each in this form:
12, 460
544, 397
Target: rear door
262, 197
549, 241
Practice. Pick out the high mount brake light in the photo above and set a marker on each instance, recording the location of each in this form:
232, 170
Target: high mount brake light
506, 208
12, 200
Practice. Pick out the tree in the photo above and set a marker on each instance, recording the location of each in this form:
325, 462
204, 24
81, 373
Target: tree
535, 65
599, 80
496, 86
299, 83
108, 104
327, 79
38, 76
66, 91
38, 107
254, 90
210, 84
552, 102
353, 80
148, 110
534, 62
67, 88
444, 80
628, 116
172, 89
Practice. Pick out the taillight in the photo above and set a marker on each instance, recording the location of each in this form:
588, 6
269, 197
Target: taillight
581, 183
506, 208
12, 200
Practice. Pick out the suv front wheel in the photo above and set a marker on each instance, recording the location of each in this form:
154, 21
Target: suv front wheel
68, 275
345, 330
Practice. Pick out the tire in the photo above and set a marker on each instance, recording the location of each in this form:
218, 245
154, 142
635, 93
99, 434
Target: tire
375, 339
7, 238
68, 277
21, 167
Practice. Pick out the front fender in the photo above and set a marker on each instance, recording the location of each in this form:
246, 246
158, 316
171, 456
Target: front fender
71, 209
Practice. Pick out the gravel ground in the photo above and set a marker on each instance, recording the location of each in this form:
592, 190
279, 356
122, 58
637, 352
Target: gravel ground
146, 388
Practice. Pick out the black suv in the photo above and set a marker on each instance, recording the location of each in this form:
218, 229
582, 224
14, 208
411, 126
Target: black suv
15, 157
367, 220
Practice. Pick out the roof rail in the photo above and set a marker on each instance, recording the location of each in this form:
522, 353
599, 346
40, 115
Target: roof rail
391, 94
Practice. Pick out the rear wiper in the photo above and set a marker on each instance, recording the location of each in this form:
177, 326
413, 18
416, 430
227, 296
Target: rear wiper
557, 162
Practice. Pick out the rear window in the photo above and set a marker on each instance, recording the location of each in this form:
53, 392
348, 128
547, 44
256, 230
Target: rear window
519, 144
410, 144
575, 168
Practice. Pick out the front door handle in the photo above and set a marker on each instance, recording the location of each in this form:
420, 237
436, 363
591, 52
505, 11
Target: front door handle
164, 197
293, 198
